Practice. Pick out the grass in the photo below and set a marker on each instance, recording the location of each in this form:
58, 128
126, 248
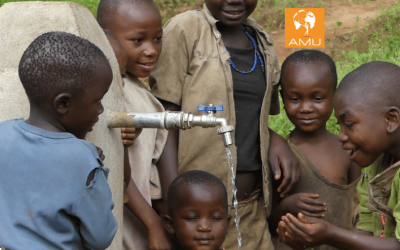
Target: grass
384, 45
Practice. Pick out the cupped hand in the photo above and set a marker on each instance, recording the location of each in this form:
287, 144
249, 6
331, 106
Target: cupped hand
306, 204
129, 135
285, 236
306, 231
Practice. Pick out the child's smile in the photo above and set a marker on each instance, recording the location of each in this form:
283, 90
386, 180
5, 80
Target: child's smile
362, 128
231, 13
308, 97
140, 32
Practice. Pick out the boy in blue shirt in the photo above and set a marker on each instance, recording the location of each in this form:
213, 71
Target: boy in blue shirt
53, 185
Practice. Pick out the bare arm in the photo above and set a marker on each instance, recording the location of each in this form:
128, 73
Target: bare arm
283, 162
127, 167
168, 164
158, 236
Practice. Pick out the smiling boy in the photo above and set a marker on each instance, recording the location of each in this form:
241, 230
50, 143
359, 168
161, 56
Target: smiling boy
367, 108
137, 26
198, 211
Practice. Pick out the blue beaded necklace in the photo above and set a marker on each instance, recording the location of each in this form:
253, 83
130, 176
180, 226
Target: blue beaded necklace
255, 57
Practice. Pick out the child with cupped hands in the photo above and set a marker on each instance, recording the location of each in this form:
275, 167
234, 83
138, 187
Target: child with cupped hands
367, 108
327, 185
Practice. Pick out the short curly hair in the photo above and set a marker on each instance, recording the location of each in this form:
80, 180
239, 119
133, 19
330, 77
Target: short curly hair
311, 56
56, 62
376, 82
107, 11
194, 177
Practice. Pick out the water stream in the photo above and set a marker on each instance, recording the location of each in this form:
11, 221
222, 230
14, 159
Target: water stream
235, 202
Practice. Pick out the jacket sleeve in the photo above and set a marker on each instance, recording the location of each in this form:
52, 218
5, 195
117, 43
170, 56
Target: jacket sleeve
276, 73
94, 210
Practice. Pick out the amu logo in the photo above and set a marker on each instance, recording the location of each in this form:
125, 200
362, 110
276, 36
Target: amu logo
304, 28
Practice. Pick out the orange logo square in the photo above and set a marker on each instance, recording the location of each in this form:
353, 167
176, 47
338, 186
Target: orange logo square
304, 27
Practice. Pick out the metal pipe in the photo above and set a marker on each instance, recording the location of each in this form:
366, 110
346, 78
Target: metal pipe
171, 120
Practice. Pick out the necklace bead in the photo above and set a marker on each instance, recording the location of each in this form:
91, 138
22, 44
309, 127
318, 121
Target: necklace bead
257, 55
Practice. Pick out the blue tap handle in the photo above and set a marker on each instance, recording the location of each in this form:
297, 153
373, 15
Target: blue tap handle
210, 108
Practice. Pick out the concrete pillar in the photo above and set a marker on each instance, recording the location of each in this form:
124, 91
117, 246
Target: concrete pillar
20, 24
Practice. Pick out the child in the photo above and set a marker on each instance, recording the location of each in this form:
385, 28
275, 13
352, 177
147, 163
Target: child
128, 134
368, 110
204, 56
308, 80
137, 26
53, 186
198, 211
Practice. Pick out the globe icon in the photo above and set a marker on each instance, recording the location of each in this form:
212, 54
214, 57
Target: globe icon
305, 19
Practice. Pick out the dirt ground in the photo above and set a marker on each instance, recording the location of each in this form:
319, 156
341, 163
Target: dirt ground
338, 38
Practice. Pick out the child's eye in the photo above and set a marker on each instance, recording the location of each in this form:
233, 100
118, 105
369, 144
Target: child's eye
216, 218
294, 99
319, 99
137, 40
348, 124
191, 218
159, 39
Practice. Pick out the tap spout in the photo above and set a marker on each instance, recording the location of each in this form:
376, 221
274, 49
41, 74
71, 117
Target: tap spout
207, 121
225, 130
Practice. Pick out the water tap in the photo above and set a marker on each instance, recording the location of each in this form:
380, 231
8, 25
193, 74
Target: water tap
174, 120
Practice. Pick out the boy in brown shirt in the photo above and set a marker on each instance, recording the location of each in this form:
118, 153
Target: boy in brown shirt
137, 26
197, 67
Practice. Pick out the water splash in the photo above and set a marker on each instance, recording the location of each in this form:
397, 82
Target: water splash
235, 202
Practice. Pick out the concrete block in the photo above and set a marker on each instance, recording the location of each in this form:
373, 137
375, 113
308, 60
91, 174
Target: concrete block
20, 24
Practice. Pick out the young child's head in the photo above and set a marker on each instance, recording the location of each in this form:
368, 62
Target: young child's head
308, 81
137, 25
367, 107
198, 211
231, 13
65, 77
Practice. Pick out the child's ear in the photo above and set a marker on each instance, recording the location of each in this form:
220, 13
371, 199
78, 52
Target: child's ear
392, 116
62, 103
168, 223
